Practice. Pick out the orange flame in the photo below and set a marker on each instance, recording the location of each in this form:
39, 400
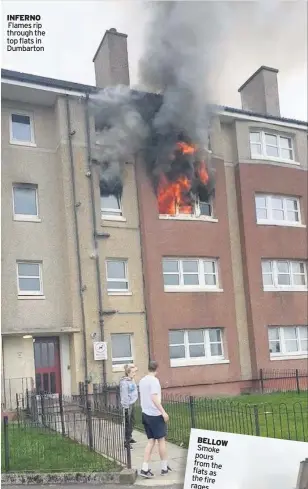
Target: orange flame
171, 195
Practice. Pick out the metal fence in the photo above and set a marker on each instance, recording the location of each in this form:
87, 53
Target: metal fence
54, 433
11, 387
287, 380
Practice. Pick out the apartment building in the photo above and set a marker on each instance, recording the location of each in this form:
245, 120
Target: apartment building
214, 294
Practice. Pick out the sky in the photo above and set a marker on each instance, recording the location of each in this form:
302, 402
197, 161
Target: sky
277, 38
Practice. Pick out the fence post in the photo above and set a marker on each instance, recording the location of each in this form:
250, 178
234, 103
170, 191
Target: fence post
262, 380
17, 408
192, 411
61, 415
89, 417
27, 401
127, 440
6, 443
43, 408
297, 382
257, 422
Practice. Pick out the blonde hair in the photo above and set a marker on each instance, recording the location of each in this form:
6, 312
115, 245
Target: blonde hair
128, 369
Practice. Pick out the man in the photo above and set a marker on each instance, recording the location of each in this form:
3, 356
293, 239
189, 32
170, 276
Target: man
154, 419
129, 395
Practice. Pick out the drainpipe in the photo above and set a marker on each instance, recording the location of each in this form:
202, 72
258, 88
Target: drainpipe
94, 230
70, 134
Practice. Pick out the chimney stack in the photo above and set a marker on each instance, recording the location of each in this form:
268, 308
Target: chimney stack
260, 92
111, 60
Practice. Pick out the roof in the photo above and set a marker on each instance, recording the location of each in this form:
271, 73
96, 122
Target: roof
43, 80
67, 85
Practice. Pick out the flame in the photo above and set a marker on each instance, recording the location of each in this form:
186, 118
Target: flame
186, 148
202, 172
171, 195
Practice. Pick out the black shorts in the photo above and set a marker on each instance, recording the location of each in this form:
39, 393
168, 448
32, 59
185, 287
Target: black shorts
155, 426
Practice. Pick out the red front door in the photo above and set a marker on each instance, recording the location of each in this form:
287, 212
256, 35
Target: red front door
47, 365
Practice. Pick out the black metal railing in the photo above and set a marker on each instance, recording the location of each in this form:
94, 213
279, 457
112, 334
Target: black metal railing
55, 433
288, 380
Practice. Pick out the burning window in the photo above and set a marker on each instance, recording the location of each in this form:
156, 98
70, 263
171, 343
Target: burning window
183, 189
111, 205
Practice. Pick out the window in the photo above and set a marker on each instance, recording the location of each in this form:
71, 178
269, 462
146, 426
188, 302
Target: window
21, 129
288, 340
199, 209
272, 146
284, 275
25, 202
29, 278
277, 209
195, 346
190, 274
111, 206
117, 279
121, 345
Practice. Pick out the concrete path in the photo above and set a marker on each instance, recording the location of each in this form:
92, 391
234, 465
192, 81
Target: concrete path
176, 459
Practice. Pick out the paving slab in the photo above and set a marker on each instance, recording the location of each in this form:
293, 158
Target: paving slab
176, 458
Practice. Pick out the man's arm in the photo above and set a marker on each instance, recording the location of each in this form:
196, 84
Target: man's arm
156, 400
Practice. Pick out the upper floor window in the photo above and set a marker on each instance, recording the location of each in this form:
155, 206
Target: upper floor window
198, 209
195, 346
284, 275
277, 209
21, 129
288, 340
111, 206
117, 276
190, 274
25, 202
273, 146
29, 278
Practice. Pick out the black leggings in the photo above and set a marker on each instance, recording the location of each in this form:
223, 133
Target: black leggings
129, 422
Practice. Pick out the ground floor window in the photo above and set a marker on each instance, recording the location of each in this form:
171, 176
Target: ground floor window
122, 351
196, 346
288, 340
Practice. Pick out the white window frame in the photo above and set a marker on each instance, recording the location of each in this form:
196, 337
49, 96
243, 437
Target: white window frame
117, 367
284, 354
202, 287
114, 291
274, 273
194, 216
207, 359
26, 217
31, 293
262, 143
109, 214
17, 141
269, 208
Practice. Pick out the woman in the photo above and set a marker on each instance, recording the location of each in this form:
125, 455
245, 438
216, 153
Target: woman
129, 395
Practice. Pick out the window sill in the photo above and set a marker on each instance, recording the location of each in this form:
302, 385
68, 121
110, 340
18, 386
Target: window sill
193, 363
119, 368
190, 289
21, 218
276, 160
302, 356
31, 297
120, 293
187, 218
23, 143
281, 224
284, 289
113, 218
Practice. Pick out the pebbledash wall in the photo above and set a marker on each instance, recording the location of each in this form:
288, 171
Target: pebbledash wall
146, 312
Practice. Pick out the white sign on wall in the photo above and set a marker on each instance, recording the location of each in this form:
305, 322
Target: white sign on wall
230, 461
100, 350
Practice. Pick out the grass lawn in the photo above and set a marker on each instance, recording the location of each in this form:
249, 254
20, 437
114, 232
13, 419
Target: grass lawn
40, 450
278, 415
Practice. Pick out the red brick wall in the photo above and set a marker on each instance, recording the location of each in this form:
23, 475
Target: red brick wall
187, 310
270, 308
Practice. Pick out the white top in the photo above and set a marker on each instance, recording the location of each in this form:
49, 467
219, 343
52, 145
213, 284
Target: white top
148, 386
